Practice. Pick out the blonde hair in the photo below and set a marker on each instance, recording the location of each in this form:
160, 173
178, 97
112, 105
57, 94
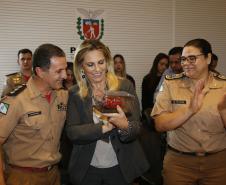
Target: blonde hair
85, 47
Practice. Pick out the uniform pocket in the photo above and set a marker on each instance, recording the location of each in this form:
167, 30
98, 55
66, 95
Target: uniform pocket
34, 120
34, 124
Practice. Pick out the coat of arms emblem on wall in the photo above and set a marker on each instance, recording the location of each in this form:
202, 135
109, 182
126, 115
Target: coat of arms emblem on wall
90, 26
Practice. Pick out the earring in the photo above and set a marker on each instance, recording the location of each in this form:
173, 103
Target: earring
83, 74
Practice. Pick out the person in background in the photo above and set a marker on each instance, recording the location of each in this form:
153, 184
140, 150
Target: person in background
14, 80
31, 121
70, 81
105, 146
174, 66
191, 108
65, 143
213, 64
151, 80
152, 142
120, 68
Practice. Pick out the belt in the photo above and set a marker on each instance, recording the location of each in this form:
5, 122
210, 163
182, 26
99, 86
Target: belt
32, 169
199, 154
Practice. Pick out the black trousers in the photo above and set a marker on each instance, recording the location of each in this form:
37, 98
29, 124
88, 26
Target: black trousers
104, 176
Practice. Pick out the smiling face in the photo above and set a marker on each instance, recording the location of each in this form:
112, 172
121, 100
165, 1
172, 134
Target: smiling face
54, 76
198, 69
95, 66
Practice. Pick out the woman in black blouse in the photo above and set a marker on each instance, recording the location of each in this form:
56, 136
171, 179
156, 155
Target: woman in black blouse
151, 80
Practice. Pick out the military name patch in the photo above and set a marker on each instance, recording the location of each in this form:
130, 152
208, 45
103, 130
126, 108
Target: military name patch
4, 107
61, 107
34, 113
178, 101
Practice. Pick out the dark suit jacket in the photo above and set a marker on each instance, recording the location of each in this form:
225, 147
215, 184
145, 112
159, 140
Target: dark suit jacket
84, 133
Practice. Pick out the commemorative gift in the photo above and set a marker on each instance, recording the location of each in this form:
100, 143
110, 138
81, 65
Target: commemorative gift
111, 99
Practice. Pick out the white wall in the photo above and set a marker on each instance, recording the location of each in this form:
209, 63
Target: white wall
137, 29
203, 19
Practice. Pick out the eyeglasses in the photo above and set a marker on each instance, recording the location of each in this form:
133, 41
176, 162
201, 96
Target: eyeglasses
191, 59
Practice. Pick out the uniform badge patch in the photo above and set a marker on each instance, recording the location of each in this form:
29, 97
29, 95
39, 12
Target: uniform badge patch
61, 107
4, 107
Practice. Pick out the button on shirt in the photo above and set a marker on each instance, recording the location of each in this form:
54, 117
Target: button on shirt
204, 131
33, 127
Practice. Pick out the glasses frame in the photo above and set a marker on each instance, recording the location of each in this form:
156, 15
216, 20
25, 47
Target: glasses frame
190, 59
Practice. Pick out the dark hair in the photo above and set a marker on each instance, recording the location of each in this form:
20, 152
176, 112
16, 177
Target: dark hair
25, 50
175, 50
44, 53
154, 68
201, 44
213, 63
120, 56
70, 66
214, 57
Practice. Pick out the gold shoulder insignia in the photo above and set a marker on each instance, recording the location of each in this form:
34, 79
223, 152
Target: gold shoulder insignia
219, 76
17, 90
174, 76
16, 78
8, 75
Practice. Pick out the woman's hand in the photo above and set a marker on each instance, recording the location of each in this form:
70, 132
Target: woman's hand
107, 127
119, 119
197, 99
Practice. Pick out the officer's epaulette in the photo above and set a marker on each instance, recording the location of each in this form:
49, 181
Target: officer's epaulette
174, 76
17, 90
11, 74
219, 76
